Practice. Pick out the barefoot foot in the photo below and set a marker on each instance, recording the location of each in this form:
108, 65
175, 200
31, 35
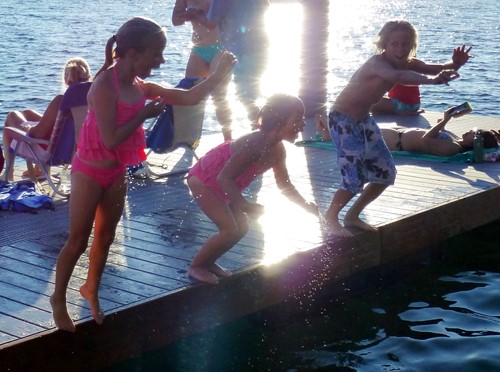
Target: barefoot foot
337, 230
357, 222
220, 271
61, 316
203, 275
93, 300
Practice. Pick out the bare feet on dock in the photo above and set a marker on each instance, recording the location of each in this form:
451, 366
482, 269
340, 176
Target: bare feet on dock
220, 271
61, 316
337, 230
93, 300
360, 224
203, 275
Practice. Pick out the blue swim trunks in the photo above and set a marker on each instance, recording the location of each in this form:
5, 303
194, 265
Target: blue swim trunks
401, 107
362, 154
208, 52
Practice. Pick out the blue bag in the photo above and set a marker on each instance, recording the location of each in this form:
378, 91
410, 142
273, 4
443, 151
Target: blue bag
161, 135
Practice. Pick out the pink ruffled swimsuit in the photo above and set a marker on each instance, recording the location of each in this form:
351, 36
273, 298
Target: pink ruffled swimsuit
209, 166
129, 152
91, 148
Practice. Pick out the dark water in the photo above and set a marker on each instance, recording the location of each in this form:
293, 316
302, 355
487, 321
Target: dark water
444, 316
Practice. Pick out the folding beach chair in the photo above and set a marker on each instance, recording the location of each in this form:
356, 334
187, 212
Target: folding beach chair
176, 127
59, 149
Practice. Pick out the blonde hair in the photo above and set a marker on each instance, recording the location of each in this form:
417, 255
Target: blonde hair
136, 34
276, 111
76, 70
394, 26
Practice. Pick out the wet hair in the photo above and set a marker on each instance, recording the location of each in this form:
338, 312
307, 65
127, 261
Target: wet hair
76, 70
136, 34
276, 111
394, 26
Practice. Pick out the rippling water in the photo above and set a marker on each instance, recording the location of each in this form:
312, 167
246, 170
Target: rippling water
39, 36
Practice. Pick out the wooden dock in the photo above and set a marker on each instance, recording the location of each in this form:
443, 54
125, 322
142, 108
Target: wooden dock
145, 292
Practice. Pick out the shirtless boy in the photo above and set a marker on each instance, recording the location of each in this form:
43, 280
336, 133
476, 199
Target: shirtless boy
362, 154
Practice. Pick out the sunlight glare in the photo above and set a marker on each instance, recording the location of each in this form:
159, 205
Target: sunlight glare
282, 74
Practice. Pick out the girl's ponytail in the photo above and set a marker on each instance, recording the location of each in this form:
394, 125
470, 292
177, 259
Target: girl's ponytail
108, 53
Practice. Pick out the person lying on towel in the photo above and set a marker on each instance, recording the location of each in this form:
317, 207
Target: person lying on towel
434, 141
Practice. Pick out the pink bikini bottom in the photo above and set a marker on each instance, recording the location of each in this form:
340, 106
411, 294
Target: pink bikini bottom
105, 177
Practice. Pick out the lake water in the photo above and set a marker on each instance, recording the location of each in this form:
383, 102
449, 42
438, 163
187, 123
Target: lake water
444, 318
39, 36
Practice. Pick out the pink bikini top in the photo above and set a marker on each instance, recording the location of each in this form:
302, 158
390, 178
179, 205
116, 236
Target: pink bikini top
209, 166
129, 152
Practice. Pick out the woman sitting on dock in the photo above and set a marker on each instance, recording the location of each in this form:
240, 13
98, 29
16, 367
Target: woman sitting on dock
37, 125
218, 178
435, 141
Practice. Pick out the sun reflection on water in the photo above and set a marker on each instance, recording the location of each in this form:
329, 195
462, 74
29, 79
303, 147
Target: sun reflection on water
284, 51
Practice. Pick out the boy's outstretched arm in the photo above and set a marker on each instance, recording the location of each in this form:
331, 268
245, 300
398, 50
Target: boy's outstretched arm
460, 57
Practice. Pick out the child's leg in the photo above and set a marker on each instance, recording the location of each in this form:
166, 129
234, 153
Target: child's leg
380, 172
85, 195
369, 194
340, 200
322, 127
384, 106
231, 229
108, 214
223, 109
221, 103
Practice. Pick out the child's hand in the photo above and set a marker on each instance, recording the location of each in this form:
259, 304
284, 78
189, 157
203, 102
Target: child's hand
447, 113
445, 76
461, 56
225, 64
154, 108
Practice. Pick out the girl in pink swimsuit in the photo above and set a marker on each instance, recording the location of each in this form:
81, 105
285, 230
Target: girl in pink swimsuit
218, 178
111, 138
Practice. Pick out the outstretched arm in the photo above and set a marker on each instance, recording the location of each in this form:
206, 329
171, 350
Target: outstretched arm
287, 188
434, 131
187, 97
436, 146
460, 57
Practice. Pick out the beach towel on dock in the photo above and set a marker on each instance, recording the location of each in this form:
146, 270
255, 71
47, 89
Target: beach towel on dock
22, 197
460, 158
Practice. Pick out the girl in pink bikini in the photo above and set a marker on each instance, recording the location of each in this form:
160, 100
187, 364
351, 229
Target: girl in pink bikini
218, 178
112, 137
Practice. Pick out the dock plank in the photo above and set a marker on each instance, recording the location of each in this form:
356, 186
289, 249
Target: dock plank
146, 292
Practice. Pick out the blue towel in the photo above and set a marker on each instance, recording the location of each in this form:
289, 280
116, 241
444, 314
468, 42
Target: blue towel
22, 197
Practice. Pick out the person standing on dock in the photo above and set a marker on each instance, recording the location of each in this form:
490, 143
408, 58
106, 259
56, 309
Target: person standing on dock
218, 178
111, 138
362, 154
205, 53
243, 33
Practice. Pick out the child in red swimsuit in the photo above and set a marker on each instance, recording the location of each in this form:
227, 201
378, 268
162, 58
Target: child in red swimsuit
111, 138
218, 178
